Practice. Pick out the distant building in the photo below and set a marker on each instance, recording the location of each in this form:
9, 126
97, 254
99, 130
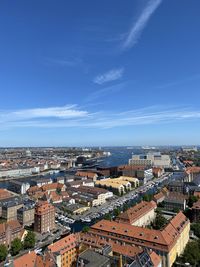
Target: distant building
177, 186
143, 173
141, 214
91, 196
53, 187
175, 201
64, 251
155, 159
190, 149
40, 181
159, 197
59, 179
157, 172
87, 175
76, 208
18, 186
118, 185
44, 217
193, 174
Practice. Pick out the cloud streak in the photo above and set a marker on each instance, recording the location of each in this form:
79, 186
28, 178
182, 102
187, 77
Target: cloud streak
72, 116
105, 91
70, 62
140, 24
111, 75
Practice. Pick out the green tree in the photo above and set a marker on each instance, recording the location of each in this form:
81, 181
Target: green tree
16, 246
192, 200
159, 221
29, 241
192, 253
85, 229
116, 212
108, 217
195, 227
125, 207
58, 191
147, 197
3, 252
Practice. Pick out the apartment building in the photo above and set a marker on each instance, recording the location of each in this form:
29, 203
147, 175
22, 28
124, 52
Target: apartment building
175, 201
87, 175
116, 185
92, 196
192, 173
141, 214
64, 251
9, 210
142, 173
26, 215
44, 217
9, 231
19, 187
167, 243
155, 159
53, 187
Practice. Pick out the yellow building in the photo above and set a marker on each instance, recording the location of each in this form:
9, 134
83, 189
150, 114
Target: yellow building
119, 185
64, 251
168, 243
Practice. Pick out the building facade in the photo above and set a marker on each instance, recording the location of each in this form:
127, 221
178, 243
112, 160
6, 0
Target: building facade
155, 159
44, 217
167, 243
26, 215
141, 214
64, 251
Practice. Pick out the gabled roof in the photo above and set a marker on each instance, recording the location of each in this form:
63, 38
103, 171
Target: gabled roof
137, 211
30, 259
63, 244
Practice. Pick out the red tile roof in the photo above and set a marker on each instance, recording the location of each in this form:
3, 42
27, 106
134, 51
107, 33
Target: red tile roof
136, 212
29, 260
64, 244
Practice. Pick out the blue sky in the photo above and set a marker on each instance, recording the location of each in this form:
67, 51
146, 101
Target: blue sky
99, 72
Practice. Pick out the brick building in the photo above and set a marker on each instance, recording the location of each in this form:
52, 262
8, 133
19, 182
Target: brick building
44, 217
9, 231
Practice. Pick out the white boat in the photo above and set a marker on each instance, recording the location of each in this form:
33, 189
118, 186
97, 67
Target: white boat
86, 219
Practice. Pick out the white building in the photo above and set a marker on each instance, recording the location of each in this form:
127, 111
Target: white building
155, 159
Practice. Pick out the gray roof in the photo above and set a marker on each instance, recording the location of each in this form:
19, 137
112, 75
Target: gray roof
93, 259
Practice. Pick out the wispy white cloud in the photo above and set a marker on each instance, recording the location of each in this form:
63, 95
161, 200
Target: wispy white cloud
66, 112
141, 22
105, 91
72, 116
65, 62
111, 75
179, 82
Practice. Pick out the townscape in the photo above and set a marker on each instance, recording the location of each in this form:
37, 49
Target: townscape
99, 133
83, 214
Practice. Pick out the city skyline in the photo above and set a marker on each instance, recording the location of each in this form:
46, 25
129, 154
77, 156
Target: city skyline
99, 74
